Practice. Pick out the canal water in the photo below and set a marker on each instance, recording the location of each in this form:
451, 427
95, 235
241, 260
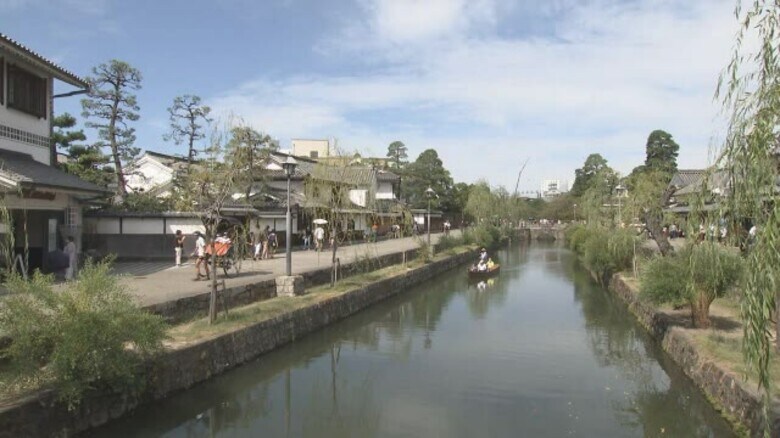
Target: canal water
539, 351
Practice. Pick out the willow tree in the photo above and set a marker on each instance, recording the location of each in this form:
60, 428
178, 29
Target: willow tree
211, 185
750, 91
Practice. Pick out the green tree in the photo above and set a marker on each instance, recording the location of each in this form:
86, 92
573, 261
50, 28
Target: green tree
749, 87
661, 153
256, 148
396, 151
480, 202
560, 208
426, 171
696, 275
210, 185
583, 176
110, 107
86, 162
89, 334
459, 196
188, 119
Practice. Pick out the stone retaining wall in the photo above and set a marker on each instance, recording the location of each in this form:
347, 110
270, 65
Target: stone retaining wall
184, 367
196, 306
726, 389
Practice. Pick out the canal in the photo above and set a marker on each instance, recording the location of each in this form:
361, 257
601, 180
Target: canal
539, 351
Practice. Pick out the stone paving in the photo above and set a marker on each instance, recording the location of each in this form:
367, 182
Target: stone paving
159, 282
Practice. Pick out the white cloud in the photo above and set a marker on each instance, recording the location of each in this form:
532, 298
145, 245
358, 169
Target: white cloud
442, 75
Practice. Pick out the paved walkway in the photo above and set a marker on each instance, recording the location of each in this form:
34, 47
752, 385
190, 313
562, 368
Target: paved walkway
158, 282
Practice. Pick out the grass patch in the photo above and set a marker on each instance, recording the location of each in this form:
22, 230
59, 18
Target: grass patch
726, 350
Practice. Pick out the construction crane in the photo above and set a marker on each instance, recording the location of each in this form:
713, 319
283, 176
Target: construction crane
517, 185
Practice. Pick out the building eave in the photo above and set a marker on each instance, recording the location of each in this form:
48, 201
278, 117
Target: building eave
18, 49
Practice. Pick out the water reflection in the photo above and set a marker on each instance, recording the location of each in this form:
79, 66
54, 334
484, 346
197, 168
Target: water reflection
538, 351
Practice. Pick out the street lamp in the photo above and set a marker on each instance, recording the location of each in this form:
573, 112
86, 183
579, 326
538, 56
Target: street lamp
430, 194
289, 169
575, 212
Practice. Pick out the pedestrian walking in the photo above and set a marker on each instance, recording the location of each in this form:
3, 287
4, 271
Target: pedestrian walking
178, 246
272, 243
307, 239
264, 237
200, 252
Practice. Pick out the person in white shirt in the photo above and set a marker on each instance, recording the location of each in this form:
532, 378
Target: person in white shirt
200, 251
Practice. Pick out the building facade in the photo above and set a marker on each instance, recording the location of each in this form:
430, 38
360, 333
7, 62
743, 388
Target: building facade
44, 202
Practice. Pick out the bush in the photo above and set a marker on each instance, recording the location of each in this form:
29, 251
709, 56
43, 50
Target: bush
448, 242
696, 275
666, 280
424, 251
91, 335
596, 254
621, 245
483, 235
575, 238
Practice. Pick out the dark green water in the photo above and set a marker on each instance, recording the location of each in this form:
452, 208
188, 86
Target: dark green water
542, 351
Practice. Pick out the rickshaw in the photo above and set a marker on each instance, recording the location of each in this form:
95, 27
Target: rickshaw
231, 251
227, 257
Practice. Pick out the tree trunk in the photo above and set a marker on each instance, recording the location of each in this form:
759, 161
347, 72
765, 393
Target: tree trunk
213, 269
654, 223
700, 311
333, 261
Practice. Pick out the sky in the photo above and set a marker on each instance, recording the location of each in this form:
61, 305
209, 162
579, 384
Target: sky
489, 84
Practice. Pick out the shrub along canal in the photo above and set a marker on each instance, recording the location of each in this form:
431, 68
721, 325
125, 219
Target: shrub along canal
541, 350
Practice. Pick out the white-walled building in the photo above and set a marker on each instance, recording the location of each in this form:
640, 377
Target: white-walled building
372, 193
553, 187
310, 148
45, 202
153, 171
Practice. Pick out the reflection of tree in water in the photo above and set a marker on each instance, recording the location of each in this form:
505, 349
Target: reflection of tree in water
617, 341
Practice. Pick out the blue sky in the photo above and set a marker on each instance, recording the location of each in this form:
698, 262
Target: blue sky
488, 83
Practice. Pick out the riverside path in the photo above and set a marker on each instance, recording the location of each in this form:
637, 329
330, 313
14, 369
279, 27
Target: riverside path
160, 282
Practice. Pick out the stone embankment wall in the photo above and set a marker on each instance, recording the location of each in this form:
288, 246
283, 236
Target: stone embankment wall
190, 307
725, 388
188, 365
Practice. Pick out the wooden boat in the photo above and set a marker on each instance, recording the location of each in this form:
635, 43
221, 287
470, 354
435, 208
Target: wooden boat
474, 273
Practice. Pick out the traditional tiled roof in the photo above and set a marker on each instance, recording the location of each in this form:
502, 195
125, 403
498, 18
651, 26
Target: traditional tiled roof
20, 169
384, 175
58, 72
686, 177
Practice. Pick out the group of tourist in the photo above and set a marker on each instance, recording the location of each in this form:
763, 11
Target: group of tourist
484, 263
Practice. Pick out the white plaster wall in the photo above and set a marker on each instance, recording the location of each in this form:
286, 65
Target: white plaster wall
303, 147
142, 226
26, 122
385, 191
39, 153
147, 175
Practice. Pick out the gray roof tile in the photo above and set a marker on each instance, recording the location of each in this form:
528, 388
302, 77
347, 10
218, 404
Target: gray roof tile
22, 169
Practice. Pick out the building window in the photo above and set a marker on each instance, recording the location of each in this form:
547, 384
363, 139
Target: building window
26, 92
313, 154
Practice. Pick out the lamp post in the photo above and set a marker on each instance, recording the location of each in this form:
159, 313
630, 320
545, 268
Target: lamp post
430, 194
619, 189
575, 212
289, 168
